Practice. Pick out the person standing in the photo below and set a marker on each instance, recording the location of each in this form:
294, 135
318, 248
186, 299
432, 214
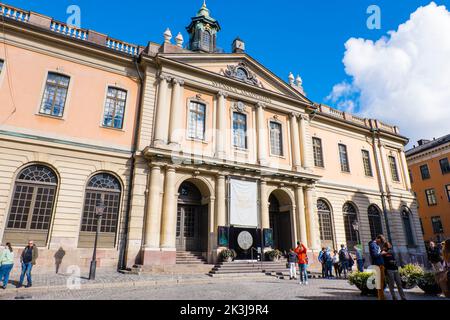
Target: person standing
443, 277
292, 260
377, 260
6, 264
344, 258
434, 256
28, 260
328, 263
322, 262
359, 258
337, 270
393, 276
302, 254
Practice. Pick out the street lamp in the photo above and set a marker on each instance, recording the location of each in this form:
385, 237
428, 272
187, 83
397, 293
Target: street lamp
99, 209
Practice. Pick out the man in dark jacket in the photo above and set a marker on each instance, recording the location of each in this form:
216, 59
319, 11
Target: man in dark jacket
28, 260
434, 256
377, 260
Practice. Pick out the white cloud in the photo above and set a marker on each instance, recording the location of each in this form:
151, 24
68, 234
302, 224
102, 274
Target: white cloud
402, 79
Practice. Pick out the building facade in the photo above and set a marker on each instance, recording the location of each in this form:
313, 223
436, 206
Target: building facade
188, 147
430, 175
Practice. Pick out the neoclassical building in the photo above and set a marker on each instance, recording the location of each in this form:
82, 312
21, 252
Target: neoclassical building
190, 149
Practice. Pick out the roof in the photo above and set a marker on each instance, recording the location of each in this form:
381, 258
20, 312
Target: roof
429, 145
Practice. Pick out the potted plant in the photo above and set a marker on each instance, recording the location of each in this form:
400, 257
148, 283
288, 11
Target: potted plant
410, 274
274, 255
360, 280
428, 283
227, 255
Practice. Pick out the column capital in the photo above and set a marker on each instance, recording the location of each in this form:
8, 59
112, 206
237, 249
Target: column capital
221, 176
170, 168
304, 117
295, 115
178, 81
153, 166
263, 181
310, 187
261, 105
164, 77
222, 94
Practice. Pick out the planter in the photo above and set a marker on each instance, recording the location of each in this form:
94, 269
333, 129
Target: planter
229, 259
407, 285
359, 279
428, 284
274, 259
410, 274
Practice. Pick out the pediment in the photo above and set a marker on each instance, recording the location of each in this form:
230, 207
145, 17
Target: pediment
241, 68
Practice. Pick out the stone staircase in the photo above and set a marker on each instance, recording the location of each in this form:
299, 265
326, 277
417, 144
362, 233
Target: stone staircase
241, 268
190, 258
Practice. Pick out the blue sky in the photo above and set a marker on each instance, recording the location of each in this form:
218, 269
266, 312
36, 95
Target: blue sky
305, 37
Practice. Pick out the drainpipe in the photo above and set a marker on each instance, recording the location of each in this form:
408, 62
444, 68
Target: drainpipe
123, 250
380, 179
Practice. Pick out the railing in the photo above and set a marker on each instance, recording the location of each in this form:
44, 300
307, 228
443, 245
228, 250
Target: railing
14, 13
358, 120
69, 31
122, 46
386, 127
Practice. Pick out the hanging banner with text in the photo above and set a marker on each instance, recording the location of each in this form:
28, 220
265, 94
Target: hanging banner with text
243, 203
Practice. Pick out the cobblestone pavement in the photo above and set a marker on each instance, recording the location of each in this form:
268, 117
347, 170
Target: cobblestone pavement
212, 289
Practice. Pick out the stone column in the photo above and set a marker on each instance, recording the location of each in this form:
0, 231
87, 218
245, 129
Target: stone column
303, 142
153, 218
264, 205
262, 134
221, 125
295, 134
176, 120
314, 240
169, 215
301, 213
221, 220
162, 113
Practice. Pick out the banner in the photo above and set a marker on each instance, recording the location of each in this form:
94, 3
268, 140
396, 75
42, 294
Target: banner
243, 203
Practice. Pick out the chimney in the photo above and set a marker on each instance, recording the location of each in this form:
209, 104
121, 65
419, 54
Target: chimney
421, 142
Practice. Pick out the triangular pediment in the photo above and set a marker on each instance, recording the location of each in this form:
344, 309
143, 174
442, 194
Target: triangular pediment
241, 68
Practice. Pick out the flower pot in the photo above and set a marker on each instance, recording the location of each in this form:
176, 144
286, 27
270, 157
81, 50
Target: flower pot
407, 285
274, 259
229, 259
432, 289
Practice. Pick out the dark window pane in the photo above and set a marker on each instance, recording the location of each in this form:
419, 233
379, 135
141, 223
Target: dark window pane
55, 94
394, 170
276, 139
318, 153
445, 166
425, 172
343, 156
367, 163
376, 227
114, 108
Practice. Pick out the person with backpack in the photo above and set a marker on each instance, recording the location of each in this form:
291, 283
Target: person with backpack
328, 261
392, 274
292, 261
344, 260
302, 254
434, 256
322, 262
359, 258
6, 264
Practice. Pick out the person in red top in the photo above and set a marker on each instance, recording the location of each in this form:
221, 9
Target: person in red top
302, 253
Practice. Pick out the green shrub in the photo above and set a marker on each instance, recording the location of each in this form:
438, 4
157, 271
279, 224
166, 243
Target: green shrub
410, 274
227, 253
274, 254
359, 279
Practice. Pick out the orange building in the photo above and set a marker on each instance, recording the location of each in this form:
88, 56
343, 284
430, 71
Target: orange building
430, 174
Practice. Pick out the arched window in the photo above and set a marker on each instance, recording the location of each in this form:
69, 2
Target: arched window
325, 223
406, 218
103, 189
206, 40
350, 220
376, 227
32, 206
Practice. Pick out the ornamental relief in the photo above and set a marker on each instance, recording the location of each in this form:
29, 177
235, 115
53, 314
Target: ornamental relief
242, 73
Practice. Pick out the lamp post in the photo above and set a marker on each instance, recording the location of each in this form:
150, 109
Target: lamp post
99, 209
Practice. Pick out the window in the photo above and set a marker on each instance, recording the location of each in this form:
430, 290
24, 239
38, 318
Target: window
367, 163
276, 139
350, 219
431, 197
1, 65
318, 153
103, 189
406, 218
394, 170
447, 188
239, 130
32, 205
343, 156
445, 166
206, 40
437, 225
197, 115
375, 225
325, 223
425, 172
55, 94
114, 108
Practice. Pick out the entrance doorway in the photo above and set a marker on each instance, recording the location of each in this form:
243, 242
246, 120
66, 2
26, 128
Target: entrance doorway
192, 220
280, 223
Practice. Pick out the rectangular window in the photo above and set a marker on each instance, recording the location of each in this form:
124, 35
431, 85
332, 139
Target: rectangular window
1, 65
394, 170
431, 197
114, 108
276, 139
197, 116
343, 156
240, 130
447, 188
437, 225
445, 166
55, 94
425, 172
318, 152
367, 163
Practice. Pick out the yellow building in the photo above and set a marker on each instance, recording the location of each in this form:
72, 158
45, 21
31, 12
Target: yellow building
192, 149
